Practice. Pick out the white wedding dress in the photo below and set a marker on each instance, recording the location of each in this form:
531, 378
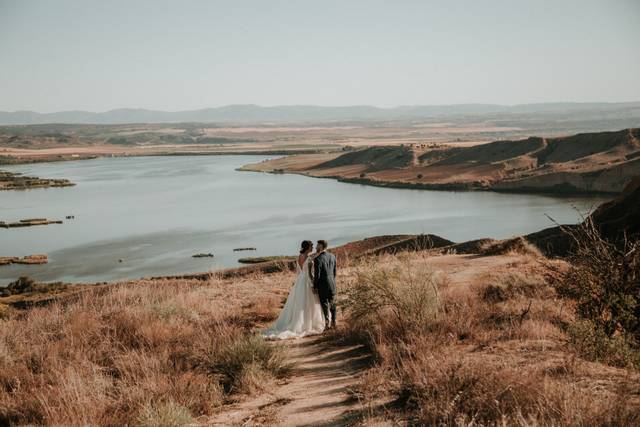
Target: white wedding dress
302, 313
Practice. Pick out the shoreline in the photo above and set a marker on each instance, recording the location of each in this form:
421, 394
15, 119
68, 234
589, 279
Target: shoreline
34, 158
556, 190
600, 163
455, 187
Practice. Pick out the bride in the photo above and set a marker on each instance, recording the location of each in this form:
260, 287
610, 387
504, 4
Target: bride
302, 313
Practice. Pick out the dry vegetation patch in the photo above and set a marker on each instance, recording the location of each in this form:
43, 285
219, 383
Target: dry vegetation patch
159, 352
604, 282
491, 353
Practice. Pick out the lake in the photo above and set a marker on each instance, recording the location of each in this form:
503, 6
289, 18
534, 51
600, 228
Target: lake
146, 216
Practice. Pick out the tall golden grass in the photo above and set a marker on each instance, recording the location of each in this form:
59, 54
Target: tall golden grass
155, 353
493, 353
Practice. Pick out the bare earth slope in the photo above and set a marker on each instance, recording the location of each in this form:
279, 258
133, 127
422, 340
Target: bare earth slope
614, 219
584, 163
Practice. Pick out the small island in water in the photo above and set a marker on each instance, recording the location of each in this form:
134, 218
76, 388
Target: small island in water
17, 181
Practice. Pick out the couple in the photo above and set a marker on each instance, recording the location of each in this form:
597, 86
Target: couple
309, 307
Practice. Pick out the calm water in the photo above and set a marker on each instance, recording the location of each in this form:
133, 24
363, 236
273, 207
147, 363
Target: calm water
154, 213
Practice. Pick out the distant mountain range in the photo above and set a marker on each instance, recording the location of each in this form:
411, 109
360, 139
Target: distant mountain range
312, 113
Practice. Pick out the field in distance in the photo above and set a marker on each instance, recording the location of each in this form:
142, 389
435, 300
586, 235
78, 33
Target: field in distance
292, 132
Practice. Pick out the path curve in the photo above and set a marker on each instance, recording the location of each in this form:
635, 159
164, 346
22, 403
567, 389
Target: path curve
316, 394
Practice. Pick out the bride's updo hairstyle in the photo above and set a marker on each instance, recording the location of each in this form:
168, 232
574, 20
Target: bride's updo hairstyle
305, 246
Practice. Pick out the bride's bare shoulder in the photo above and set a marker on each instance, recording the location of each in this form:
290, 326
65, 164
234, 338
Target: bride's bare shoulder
302, 258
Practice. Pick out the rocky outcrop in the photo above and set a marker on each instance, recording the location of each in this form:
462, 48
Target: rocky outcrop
621, 215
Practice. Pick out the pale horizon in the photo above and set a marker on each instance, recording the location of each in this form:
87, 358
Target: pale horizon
382, 107
94, 56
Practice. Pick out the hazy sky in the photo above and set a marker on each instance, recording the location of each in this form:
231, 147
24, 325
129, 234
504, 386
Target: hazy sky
177, 55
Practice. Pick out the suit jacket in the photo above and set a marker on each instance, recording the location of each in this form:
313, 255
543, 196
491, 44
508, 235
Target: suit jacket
324, 274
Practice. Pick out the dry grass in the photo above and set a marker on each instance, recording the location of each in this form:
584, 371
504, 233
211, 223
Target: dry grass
490, 350
514, 246
604, 283
162, 353
493, 353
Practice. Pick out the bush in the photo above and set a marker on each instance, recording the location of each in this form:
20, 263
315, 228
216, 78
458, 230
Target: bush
595, 345
392, 302
26, 284
604, 280
480, 355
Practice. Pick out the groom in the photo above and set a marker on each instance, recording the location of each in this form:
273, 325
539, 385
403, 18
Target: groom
324, 281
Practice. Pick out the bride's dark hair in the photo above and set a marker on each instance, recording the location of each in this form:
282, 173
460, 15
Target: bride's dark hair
305, 245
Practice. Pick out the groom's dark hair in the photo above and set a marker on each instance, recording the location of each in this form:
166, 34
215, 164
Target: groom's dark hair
324, 244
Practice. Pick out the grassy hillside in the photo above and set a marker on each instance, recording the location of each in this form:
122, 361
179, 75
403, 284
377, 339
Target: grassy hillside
151, 353
454, 338
500, 348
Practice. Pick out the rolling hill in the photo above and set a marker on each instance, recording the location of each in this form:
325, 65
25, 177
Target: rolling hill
603, 162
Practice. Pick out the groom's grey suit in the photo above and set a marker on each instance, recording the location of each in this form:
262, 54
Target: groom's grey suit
324, 281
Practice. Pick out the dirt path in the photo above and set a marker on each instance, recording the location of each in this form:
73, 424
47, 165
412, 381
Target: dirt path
317, 393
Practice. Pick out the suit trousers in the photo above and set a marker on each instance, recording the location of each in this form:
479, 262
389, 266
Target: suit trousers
328, 309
